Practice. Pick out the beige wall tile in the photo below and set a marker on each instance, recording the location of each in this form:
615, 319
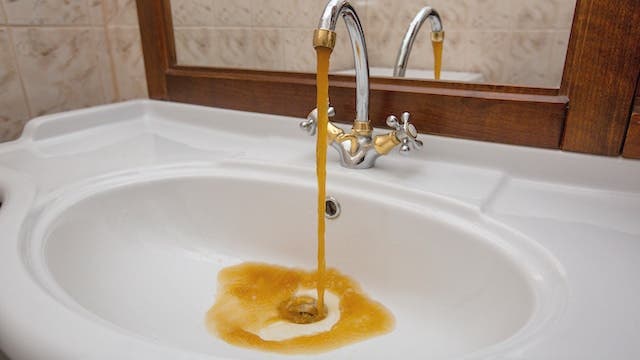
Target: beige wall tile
216, 47
488, 54
542, 15
59, 68
298, 57
104, 63
286, 13
196, 46
3, 17
232, 13
269, 49
129, 62
235, 48
13, 105
489, 14
557, 58
529, 57
192, 12
47, 12
121, 12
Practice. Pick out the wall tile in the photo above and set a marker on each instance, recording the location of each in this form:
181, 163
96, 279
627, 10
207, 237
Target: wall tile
529, 57
489, 14
558, 57
193, 12
286, 13
215, 47
47, 12
542, 15
269, 49
232, 13
494, 50
107, 73
235, 48
298, 57
3, 17
121, 12
129, 62
59, 68
13, 105
196, 46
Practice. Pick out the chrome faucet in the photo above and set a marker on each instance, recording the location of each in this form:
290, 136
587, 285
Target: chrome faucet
437, 35
358, 149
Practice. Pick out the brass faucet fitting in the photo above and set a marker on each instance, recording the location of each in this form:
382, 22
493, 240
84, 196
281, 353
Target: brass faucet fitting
437, 36
324, 38
362, 128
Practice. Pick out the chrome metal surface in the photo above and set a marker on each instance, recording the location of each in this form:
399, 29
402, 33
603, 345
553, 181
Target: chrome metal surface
311, 124
358, 149
405, 132
332, 208
328, 21
402, 60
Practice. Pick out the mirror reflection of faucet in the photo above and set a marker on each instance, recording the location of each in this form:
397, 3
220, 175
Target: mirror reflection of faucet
358, 149
437, 39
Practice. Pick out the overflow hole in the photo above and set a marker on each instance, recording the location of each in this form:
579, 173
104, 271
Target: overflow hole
331, 208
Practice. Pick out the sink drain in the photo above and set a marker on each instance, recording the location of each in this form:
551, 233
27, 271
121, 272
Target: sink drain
331, 208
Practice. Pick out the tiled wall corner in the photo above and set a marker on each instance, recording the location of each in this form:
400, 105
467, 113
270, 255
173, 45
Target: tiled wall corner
61, 55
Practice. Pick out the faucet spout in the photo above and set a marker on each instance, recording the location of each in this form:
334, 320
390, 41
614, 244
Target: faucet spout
359, 148
437, 35
325, 36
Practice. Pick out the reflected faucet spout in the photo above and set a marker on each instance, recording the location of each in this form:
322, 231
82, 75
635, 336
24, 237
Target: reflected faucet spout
437, 35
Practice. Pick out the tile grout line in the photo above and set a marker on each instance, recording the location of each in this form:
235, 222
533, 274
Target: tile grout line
112, 63
14, 53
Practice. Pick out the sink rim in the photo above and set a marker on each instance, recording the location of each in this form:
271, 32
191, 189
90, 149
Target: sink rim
549, 299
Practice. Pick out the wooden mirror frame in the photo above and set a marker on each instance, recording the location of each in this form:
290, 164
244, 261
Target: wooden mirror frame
589, 113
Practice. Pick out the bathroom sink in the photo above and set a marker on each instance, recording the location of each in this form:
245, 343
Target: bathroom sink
116, 220
142, 252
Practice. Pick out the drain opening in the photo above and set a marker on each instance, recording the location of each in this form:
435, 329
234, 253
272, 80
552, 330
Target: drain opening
331, 208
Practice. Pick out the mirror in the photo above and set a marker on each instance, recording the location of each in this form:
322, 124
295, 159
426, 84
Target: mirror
515, 42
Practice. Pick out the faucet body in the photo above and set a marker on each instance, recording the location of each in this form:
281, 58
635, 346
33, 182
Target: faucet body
437, 35
358, 149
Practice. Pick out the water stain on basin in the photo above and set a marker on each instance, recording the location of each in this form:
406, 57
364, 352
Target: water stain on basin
248, 301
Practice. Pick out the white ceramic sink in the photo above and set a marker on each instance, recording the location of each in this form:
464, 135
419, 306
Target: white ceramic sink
116, 220
143, 254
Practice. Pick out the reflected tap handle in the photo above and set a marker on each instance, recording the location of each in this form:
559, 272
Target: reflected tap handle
405, 132
311, 124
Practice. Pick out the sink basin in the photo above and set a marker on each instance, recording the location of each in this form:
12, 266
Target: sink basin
116, 220
140, 252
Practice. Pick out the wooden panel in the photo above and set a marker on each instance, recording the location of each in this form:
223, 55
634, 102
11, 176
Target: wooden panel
632, 142
156, 32
600, 75
534, 120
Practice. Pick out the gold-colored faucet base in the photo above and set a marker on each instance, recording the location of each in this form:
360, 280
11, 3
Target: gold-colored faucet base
385, 143
324, 38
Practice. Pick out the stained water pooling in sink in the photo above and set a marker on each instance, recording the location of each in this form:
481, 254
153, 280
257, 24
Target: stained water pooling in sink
256, 302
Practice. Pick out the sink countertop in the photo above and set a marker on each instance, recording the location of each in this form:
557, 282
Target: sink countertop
583, 209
